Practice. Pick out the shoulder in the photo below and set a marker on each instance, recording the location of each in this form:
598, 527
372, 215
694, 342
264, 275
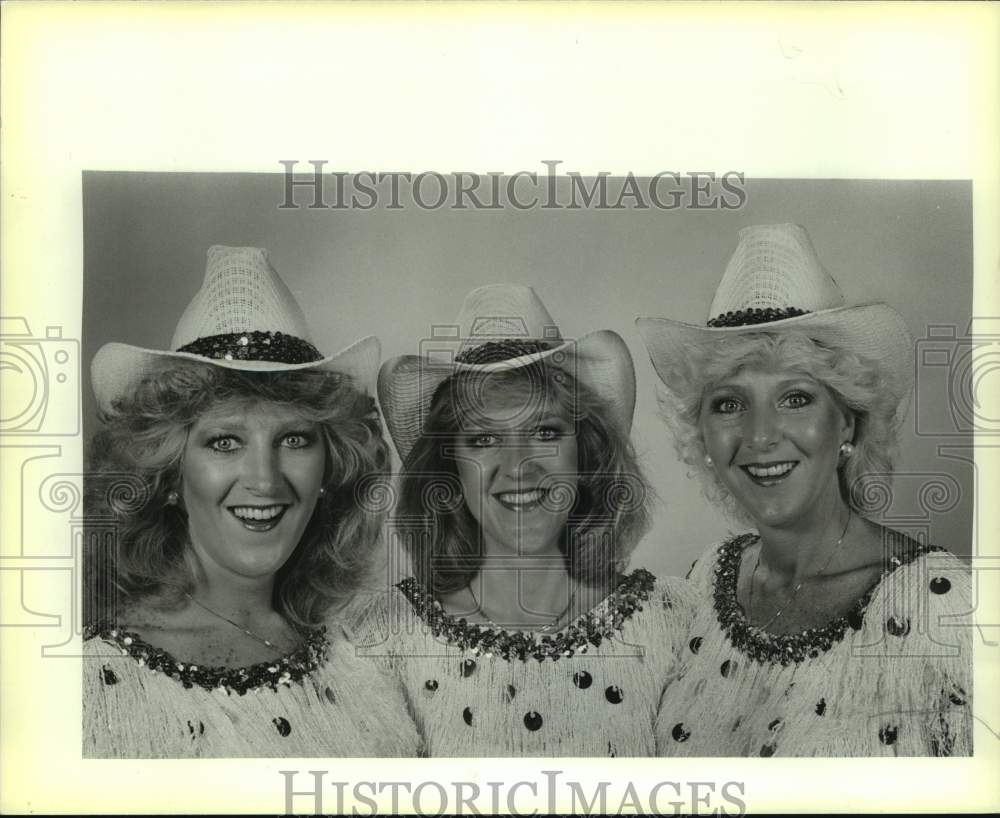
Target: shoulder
374, 619
719, 557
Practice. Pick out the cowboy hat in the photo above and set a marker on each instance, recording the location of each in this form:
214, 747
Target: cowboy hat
774, 282
244, 317
502, 327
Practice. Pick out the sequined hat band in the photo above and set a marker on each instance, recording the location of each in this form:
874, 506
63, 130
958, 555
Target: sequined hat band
495, 351
277, 347
755, 315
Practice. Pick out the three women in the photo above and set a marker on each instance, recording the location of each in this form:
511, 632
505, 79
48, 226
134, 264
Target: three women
520, 499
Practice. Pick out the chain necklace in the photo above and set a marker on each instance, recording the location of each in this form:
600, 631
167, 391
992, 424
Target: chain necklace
544, 628
247, 631
781, 610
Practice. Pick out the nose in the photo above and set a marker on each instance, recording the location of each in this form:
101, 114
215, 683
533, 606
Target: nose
763, 428
262, 470
519, 458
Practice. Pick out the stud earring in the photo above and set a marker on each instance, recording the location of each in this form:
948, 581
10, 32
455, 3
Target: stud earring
173, 498
708, 460
846, 449
322, 490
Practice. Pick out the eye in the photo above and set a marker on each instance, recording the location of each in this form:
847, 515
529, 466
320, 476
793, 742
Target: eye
224, 444
484, 440
727, 405
796, 400
297, 440
546, 433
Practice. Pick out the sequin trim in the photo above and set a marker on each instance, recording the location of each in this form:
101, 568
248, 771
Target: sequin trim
492, 352
755, 315
590, 629
254, 346
286, 670
764, 647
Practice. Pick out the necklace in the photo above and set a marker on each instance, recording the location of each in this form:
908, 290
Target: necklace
216, 614
795, 591
544, 628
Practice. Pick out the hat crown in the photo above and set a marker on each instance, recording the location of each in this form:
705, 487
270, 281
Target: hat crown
241, 293
504, 311
775, 266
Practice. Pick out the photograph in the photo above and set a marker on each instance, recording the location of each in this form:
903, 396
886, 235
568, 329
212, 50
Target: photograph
583, 479
499, 408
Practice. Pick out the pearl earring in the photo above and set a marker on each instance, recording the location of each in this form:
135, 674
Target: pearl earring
173, 498
846, 449
708, 460
322, 491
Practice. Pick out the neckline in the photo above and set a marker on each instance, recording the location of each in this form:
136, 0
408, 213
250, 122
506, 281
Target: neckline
284, 671
604, 621
764, 647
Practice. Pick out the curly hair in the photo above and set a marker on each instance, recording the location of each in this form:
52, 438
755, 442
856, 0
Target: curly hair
144, 437
609, 512
854, 383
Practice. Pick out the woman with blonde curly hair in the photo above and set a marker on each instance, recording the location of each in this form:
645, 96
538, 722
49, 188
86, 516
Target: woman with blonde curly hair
519, 633
214, 636
822, 633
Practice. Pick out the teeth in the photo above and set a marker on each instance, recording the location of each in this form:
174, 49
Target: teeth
257, 512
774, 470
521, 497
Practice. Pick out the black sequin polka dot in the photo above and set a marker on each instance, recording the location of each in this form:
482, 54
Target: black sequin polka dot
767, 751
956, 699
888, 734
468, 667
283, 727
110, 677
775, 725
532, 720
736, 724
680, 733
614, 694
431, 685
727, 668
854, 620
467, 715
820, 707
940, 585
695, 644
511, 692
582, 679
897, 627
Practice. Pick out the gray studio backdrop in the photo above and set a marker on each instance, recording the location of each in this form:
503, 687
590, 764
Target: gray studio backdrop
395, 272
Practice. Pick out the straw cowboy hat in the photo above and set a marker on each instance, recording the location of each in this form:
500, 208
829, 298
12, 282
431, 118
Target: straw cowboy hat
774, 282
244, 317
502, 327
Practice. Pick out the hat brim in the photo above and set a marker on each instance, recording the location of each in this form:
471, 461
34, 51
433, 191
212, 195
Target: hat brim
117, 369
600, 360
876, 332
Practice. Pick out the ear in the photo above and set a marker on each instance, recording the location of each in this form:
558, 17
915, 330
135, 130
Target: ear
848, 425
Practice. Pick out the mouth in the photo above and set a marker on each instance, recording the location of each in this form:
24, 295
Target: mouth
259, 518
769, 474
526, 500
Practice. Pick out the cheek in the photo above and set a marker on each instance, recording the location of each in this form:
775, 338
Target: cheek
470, 478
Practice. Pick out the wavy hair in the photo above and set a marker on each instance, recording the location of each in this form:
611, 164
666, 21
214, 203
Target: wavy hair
609, 513
144, 437
854, 382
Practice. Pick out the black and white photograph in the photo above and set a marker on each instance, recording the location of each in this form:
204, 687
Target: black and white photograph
555, 465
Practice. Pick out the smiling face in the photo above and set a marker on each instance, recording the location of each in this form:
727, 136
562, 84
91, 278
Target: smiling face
774, 438
516, 459
251, 476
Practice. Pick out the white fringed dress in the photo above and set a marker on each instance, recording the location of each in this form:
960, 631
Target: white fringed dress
893, 677
321, 701
589, 689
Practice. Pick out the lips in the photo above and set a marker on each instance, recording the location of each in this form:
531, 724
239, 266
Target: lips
259, 518
525, 500
769, 474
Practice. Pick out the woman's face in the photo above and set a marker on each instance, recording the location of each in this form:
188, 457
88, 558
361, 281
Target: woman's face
774, 438
251, 477
516, 459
